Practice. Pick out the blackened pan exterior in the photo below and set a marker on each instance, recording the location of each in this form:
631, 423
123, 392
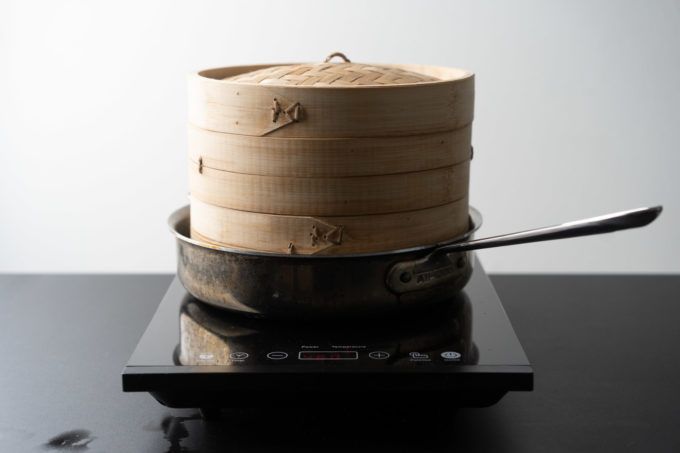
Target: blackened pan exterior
296, 286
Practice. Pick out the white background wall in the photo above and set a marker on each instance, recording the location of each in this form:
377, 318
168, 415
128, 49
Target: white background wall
577, 114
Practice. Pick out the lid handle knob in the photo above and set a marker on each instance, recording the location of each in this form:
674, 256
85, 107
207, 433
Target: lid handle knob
336, 54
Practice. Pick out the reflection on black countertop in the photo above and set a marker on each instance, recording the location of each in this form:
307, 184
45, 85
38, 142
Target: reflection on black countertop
604, 349
328, 429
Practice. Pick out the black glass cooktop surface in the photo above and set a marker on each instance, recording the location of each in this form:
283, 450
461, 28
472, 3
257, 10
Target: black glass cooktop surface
463, 351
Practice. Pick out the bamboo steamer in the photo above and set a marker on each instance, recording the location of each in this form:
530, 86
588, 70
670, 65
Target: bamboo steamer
332, 158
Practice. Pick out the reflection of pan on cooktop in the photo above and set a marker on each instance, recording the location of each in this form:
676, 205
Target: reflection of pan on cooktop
210, 336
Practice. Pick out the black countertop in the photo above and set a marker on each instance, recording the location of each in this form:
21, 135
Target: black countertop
604, 351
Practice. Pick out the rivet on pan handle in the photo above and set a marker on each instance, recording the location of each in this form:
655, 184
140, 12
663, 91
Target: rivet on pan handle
437, 267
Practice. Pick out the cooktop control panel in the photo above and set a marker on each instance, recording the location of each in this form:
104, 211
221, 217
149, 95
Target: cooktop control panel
331, 355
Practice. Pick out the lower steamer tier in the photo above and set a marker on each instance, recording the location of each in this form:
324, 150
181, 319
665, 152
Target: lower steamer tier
463, 352
327, 235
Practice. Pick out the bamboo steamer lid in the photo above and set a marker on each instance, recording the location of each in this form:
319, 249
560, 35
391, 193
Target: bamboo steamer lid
329, 158
331, 99
329, 74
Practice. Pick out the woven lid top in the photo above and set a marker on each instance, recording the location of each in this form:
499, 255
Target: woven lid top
331, 74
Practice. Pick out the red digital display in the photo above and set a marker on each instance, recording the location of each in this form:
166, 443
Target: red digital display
328, 355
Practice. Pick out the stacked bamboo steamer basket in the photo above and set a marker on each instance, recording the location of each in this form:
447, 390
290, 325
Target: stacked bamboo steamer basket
329, 158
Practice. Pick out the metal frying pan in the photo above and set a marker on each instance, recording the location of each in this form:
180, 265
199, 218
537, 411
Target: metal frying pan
295, 286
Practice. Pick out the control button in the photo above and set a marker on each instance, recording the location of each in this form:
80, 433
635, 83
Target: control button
379, 355
419, 357
238, 355
451, 355
277, 355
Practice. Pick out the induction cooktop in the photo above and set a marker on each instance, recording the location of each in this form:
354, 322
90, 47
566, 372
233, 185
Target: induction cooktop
462, 352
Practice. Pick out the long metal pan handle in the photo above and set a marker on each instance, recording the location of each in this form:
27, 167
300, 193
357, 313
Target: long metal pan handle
607, 223
431, 270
